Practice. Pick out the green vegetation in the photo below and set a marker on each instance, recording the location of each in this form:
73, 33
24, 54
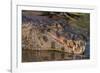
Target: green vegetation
84, 21
80, 19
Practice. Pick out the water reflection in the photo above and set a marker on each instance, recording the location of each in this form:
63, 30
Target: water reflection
48, 55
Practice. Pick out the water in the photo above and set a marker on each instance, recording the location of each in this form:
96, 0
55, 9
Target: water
48, 55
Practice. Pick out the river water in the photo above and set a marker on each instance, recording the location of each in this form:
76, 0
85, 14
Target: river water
49, 55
